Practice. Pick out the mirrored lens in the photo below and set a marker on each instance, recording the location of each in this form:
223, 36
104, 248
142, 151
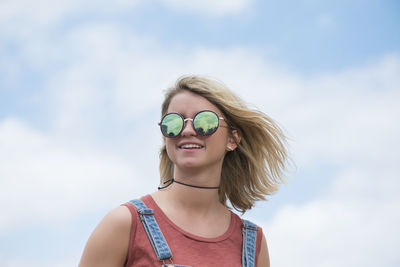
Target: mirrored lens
171, 125
206, 122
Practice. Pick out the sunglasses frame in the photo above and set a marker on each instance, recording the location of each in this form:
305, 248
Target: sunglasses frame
192, 119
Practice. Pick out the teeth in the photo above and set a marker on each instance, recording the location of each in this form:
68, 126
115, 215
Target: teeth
191, 146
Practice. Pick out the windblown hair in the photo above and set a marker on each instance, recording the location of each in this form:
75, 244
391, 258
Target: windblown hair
256, 167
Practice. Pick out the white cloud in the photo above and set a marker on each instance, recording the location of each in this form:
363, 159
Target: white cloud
348, 120
43, 263
210, 7
48, 181
348, 117
23, 19
48, 11
354, 225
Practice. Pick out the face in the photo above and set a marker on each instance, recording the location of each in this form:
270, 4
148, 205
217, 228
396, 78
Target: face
190, 150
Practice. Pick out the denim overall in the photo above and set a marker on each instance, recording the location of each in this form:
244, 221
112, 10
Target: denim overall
161, 247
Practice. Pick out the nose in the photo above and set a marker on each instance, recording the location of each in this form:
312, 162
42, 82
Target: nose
188, 128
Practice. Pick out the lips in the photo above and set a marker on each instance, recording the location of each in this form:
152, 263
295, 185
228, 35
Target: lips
190, 146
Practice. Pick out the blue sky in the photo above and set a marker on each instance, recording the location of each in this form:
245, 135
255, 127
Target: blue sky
81, 85
307, 36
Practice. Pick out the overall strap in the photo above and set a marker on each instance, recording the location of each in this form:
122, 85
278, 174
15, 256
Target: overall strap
249, 243
153, 231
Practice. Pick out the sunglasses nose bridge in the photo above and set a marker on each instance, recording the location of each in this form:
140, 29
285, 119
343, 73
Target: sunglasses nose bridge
188, 119
185, 127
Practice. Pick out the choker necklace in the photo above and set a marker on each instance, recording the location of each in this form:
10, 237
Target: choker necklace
172, 180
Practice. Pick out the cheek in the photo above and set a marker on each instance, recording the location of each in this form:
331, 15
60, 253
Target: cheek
170, 146
218, 141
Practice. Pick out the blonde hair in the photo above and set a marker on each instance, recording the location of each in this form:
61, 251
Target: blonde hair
255, 168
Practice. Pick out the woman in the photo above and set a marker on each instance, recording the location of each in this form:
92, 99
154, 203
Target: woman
215, 150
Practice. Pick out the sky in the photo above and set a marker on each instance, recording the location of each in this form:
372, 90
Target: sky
81, 84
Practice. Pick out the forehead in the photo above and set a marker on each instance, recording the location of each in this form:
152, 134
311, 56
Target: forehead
188, 104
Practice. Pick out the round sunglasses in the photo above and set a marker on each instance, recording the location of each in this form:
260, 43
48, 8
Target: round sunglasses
205, 123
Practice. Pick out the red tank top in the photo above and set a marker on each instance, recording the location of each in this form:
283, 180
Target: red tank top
186, 248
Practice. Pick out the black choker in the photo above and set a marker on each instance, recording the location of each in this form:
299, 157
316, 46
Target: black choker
172, 180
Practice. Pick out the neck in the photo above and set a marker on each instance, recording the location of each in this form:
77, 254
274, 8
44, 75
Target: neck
205, 177
193, 191
172, 180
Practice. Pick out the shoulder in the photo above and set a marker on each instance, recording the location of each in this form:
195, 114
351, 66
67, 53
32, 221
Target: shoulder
108, 244
117, 221
119, 218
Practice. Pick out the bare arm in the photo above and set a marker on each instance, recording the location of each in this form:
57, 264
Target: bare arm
263, 257
108, 244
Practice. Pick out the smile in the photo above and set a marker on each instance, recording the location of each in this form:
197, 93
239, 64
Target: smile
190, 146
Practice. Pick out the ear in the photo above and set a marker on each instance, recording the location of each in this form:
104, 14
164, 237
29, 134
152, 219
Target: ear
233, 140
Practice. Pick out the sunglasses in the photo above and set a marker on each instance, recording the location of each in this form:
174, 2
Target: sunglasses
205, 123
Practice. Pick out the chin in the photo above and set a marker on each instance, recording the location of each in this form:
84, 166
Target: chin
196, 164
189, 164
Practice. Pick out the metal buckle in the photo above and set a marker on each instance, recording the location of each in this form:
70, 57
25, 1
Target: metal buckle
146, 212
